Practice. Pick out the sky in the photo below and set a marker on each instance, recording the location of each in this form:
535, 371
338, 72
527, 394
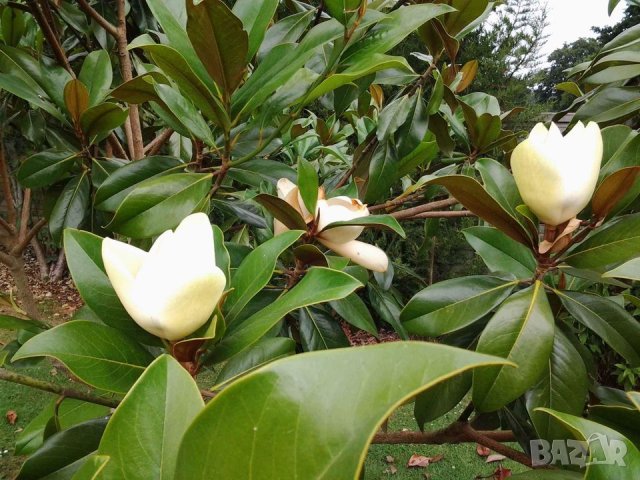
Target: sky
572, 19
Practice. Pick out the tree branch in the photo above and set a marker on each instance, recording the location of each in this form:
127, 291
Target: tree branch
154, 146
496, 446
100, 20
442, 214
117, 146
14, 377
134, 137
427, 207
25, 213
6, 187
50, 35
24, 241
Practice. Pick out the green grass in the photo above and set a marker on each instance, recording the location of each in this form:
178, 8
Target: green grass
460, 462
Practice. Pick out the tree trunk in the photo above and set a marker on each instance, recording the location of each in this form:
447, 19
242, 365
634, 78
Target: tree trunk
23, 290
41, 258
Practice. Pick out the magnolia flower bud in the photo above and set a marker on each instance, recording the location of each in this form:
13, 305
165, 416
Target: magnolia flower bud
341, 240
556, 175
173, 289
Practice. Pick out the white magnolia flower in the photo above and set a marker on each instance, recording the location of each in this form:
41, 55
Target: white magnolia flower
342, 240
557, 175
173, 289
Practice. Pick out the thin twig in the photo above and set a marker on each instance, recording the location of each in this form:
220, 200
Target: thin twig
442, 214
427, 207
117, 146
486, 441
50, 35
24, 241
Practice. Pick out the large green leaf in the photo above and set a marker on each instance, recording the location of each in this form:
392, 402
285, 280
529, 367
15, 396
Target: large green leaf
186, 112
97, 354
600, 441
378, 221
500, 184
262, 352
163, 402
96, 74
354, 311
287, 30
45, 168
84, 259
71, 207
121, 182
563, 387
440, 399
453, 304
474, 197
610, 105
255, 272
60, 455
159, 204
70, 412
319, 330
608, 320
622, 418
630, 270
387, 308
279, 418
342, 10
614, 243
220, 42
393, 29
522, 331
501, 253
14, 323
97, 122
255, 17
318, 285
280, 209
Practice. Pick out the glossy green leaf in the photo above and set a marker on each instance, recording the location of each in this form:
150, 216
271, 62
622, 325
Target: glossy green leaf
500, 184
440, 399
84, 259
91, 468
280, 209
354, 311
12, 25
262, 352
70, 210
186, 112
7, 322
319, 330
163, 402
97, 122
219, 41
317, 286
501, 253
522, 331
393, 29
352, 405
70, 412
617, 190
159, 204
387, 308
308, 184
378, 221
563, 387
96, 74
608, 320
287, 30
610, 105
255, 17
630, 270
601, 446
616, 242
255, 272
623, 419
121, 182
61, 451
97, 354
453, 304
45, 168
474, 197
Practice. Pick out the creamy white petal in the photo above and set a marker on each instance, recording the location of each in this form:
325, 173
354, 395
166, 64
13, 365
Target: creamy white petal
369, 256
122, 263
539, 133
284, 186
193, 240
340, 209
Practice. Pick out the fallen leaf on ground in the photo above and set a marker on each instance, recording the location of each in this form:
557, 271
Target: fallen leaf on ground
391, 470
500, 474
482, 451
495, 458
389, 459
418, 461
11, 417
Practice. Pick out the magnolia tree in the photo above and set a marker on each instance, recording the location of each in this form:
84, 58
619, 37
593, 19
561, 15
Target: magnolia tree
210, 169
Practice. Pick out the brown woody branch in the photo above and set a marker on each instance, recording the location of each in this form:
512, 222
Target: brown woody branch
427, 207
154, 146
100, 20
28, 236
443, 214
50, 35
439, 437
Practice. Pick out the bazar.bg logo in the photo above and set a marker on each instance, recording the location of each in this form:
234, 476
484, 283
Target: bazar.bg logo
604, 451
